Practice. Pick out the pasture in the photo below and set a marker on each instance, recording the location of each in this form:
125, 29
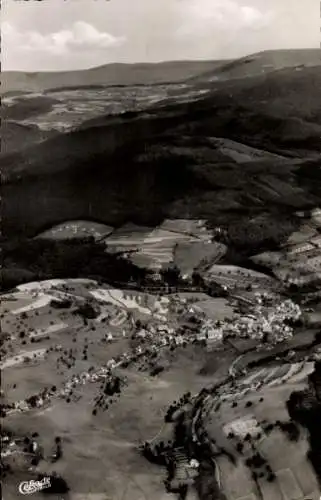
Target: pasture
245, 421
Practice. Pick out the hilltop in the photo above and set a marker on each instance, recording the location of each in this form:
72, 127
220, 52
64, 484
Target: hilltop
263, 62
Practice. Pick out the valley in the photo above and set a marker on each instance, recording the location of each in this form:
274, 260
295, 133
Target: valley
161, 281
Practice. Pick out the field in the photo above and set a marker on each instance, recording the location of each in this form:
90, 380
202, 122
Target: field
215, 309
262, 400
234, 276
185, 242
63, 110
77, 229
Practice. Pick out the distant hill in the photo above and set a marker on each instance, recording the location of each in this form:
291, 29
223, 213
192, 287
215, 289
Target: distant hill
163, 162
262, 63
109, 74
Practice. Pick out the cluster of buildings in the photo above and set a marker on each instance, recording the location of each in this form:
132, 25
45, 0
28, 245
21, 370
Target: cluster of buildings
211, 331
269, 324
162, 330
160, 335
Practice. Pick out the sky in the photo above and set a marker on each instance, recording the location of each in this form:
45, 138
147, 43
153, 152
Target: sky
73, 34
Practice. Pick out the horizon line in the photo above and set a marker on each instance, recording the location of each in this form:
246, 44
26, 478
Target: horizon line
163, 61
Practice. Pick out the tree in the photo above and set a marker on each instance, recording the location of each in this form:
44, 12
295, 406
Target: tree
171, 275
138, 324
87, 311
197, 279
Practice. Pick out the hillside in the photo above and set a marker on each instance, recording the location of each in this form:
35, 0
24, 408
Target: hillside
263, 63
109, 74
154, 164
13, 134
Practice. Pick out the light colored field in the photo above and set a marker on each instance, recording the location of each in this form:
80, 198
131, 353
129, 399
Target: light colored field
117, 297
72, 107
273, 376
236, 480
129, 300
297, 272
269, 259
316, 217
191, 227
187, 241
42, 332
163, 236
77, 229
305, 477
142, 260
189, 255
128, 236
283, 373
305, 233
35, 286
215, 308
226, 270
46, 285
313, 264
21, 356
36, 298
302, 375
15, 301
241, 153
154, 247
270, 491
38, 295
119, 320
42, 301
159, 245
289, 485
243, 426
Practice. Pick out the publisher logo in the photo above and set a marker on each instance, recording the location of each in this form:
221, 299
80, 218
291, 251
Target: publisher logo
29, 487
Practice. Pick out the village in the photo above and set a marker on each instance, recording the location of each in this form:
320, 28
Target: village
80, 343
